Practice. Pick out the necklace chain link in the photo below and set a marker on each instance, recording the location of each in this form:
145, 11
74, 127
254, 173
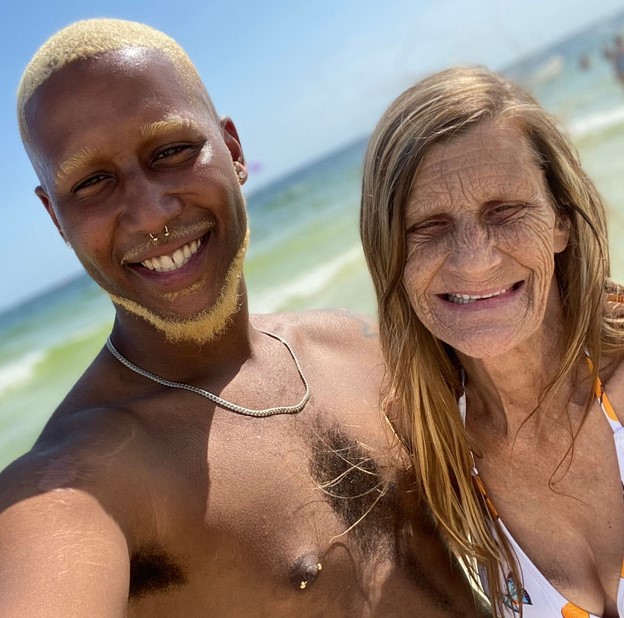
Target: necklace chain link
228, 405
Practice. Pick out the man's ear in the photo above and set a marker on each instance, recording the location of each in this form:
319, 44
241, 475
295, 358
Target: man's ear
232, 141
47, 204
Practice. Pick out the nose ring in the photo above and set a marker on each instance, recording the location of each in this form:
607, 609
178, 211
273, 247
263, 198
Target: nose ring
154, 237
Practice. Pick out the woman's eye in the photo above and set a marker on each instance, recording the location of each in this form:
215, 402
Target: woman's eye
504, 213
428, 229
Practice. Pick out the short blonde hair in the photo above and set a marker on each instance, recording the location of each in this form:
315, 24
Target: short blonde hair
88, 38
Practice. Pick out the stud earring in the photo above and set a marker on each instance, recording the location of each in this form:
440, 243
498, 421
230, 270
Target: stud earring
240, 174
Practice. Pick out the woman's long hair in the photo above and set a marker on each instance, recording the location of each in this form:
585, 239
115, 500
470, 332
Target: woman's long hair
422, 382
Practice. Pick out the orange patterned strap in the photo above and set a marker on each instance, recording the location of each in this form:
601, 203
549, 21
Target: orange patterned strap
601, 396
481, 489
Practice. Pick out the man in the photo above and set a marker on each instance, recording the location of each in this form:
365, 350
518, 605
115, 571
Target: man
279, 497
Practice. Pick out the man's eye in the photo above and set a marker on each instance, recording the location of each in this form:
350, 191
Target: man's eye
89, 183
179, 150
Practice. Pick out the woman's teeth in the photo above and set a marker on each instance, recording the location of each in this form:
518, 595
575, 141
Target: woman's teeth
167, 263
463, 299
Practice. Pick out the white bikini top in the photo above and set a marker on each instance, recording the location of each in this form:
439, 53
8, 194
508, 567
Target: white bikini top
539, 598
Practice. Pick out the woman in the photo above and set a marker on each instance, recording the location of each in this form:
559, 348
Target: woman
488, 250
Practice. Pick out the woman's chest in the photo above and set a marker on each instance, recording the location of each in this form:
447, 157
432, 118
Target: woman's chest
562, 504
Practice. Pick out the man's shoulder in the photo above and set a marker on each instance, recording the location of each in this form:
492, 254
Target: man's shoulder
339, 351
66, 514
78, 451
335, 327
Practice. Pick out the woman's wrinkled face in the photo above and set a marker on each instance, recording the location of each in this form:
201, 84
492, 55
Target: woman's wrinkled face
481, 238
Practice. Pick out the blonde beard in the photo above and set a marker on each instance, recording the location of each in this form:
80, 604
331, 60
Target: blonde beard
209, 324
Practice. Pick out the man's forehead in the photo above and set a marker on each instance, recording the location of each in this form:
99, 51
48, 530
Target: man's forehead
141, 91
119, 64
113, 70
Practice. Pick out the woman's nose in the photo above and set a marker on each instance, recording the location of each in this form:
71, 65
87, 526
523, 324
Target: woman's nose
473, 250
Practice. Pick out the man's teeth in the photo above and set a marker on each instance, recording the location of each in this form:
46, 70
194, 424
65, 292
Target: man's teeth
463, 299
167, 263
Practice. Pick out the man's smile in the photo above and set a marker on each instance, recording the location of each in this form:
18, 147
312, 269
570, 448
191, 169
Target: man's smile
175, 260
173, 255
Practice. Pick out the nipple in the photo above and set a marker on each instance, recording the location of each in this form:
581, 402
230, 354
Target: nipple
305, 571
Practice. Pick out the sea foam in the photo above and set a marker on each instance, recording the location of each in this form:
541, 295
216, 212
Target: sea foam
308, 284
16, 373
597, 122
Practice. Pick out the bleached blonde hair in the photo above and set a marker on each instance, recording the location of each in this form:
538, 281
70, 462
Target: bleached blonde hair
422, 372
89, 38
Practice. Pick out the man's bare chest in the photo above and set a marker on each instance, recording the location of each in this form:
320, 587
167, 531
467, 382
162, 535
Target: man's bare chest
291, 505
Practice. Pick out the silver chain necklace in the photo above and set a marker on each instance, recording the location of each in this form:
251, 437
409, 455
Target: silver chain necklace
208, 395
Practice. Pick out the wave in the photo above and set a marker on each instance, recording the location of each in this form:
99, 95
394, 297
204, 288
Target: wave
547, 71
305, 286
597, 122
15, 374
81, 335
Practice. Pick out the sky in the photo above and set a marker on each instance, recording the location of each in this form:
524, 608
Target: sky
300, 79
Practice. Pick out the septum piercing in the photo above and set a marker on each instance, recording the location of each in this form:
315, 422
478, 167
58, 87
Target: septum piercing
154, 237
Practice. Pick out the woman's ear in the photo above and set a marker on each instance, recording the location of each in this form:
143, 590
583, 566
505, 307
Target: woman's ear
561, 233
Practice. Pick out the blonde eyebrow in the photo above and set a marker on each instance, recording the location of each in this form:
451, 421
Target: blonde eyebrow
160, 128
86, 155
83, 158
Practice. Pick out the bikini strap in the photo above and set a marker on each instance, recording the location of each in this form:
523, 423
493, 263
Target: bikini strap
614, 422
603, 400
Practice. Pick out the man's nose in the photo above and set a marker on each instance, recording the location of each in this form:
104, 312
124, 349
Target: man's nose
149, 205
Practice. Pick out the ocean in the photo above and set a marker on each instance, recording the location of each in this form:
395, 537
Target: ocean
305, 250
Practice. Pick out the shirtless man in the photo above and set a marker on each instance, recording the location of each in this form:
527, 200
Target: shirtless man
141, 498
